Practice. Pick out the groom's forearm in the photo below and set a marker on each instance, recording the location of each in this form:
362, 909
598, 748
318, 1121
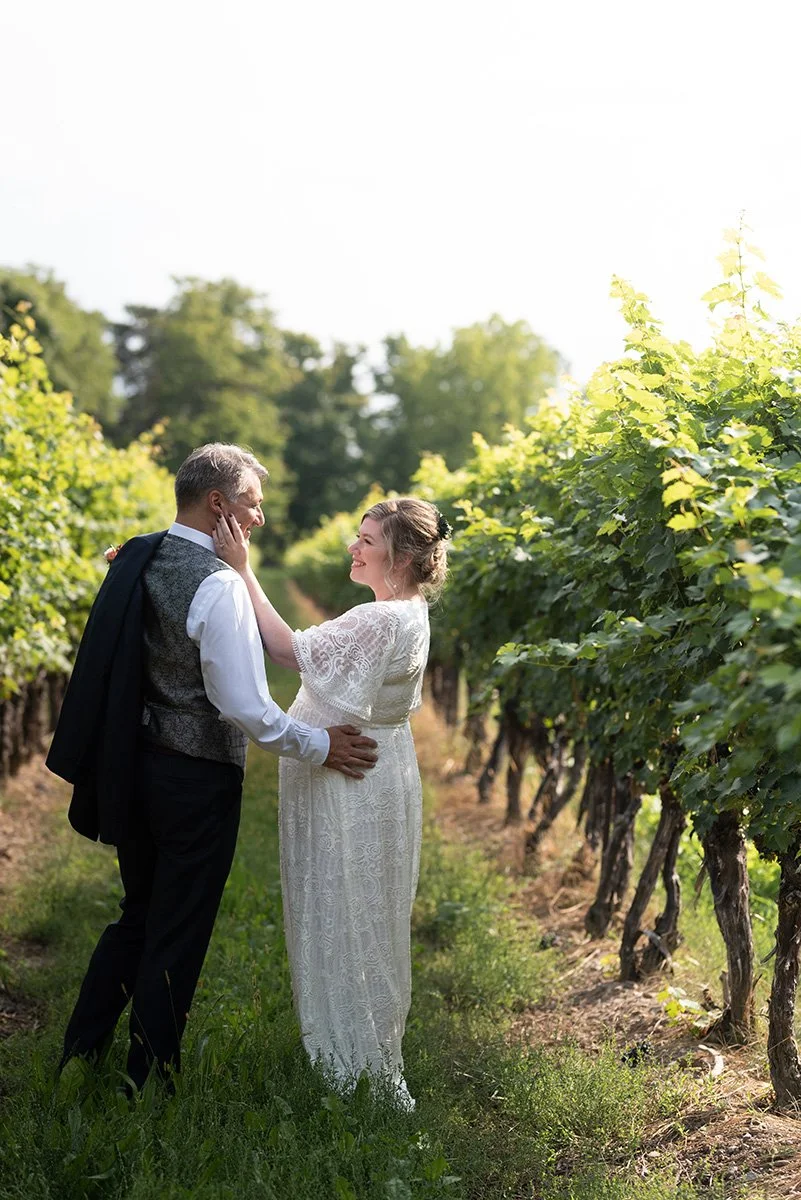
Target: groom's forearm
223, 628
271, 728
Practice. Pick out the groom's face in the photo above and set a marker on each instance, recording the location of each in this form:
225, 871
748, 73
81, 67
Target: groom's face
247, 506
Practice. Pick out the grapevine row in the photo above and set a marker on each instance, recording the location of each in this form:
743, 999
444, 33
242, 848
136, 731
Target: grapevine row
626, 590
65, 495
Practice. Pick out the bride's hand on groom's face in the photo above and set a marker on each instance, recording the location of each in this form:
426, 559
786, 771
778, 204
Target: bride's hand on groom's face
230, 543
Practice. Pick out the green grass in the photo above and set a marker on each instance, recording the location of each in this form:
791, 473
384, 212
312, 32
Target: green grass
253, 1119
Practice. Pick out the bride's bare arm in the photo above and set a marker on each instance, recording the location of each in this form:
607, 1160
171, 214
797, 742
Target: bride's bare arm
276, 635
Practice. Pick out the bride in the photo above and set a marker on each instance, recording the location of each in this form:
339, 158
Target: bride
350, 848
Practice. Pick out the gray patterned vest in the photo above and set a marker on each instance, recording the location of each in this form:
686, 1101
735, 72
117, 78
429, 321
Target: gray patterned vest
177, 712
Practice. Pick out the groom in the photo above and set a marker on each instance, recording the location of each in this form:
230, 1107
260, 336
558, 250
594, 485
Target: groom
168, 685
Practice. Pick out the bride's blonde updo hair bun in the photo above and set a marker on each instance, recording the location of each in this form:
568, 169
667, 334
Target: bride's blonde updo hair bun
415, 531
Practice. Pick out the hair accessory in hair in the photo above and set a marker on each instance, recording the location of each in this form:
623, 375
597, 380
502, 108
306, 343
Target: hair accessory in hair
444, 530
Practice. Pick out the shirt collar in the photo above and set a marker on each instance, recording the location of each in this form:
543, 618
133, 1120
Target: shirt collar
192, 535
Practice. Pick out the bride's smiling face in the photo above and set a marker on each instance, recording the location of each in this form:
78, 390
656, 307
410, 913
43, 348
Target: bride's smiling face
370, 557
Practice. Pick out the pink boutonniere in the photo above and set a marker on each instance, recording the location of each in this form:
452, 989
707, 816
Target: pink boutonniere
112, 552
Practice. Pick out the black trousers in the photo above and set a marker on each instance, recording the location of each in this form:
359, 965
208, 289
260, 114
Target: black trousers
173, 866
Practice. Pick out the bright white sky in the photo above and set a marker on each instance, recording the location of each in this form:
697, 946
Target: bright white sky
387, 165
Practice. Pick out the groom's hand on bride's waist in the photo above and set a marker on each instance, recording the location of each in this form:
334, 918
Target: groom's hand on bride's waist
350, 753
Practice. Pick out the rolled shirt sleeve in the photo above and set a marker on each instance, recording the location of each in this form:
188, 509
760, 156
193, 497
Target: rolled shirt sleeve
222, 624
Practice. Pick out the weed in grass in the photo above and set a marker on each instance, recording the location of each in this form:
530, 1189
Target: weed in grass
508, 1112
593, 1186
473, 951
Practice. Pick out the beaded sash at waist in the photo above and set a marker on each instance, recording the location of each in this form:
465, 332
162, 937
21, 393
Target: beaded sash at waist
385, 724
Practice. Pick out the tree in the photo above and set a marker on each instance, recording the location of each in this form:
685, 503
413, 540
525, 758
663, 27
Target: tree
210, 366
322, 412
492, 374
75, 342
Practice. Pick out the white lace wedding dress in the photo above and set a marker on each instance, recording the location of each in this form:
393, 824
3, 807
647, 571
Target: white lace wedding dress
350, 849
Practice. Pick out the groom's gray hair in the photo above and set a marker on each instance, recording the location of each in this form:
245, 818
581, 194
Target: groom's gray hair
216, 465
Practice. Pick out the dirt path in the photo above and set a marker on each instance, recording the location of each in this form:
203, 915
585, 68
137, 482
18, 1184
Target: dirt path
29, 804
733, 1133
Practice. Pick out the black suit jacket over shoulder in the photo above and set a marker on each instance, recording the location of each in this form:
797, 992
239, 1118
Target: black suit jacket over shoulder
94, 745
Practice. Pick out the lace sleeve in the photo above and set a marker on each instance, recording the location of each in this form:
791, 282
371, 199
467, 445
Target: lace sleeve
345, 661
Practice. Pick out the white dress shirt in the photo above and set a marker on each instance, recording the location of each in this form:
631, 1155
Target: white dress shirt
222, 624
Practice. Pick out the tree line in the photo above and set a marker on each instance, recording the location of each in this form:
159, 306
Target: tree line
625, 600
214, 364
